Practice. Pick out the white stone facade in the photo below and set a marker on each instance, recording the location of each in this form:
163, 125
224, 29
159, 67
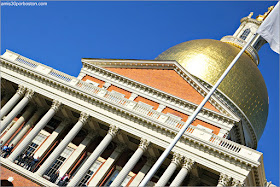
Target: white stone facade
100, 126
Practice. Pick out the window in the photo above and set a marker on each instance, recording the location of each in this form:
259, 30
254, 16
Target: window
90, 172
36, 142
245, 34
114, 175
258, 45
59, 161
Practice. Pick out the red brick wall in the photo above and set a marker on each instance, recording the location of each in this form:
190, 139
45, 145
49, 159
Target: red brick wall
18, 179
166, 80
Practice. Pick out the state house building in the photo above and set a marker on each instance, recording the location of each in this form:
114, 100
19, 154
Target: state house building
108, 126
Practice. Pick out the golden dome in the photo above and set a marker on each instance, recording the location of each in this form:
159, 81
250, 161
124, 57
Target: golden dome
244, 85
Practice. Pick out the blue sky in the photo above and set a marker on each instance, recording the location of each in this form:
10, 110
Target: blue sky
62, 33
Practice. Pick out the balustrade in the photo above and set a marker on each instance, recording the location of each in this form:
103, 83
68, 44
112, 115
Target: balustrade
27, 62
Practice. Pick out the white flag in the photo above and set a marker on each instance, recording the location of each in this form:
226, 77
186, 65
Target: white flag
270, 30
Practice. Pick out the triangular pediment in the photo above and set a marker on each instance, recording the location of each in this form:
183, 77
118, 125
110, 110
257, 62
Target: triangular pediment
166, 80
166, 76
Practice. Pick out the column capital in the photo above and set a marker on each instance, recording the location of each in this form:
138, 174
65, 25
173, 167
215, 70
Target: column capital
83, 117
177, 159
29, 94
188, 163
55, 105
21, 90
237, 183
223, 180
144, 144
113, 130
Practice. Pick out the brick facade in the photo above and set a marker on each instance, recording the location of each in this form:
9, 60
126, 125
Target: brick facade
166, 80
18, 179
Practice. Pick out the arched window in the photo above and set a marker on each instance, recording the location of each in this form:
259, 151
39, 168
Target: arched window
245, 34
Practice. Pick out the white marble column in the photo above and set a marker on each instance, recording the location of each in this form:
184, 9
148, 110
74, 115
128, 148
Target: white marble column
17, 124
141, 174
63, 144
223, 180
17, 109
33, 133
176, 161
8, 106
237, 183
131, 163
186, 168
26, 127
99, 176
51, 139
96, 153
76, 154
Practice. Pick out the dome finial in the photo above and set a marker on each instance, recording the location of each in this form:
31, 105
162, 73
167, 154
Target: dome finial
262, 17
250, 15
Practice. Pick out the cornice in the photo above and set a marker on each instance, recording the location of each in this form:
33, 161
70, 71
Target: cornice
128, 114
256, 176
128, 63
192, 80
250, 20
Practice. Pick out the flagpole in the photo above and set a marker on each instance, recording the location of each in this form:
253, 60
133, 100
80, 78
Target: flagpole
191, 118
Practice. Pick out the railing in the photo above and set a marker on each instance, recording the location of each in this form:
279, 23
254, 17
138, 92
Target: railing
88, 87
174, 123
224, 143
60, 75
146, 111
216, 140
27, 62
116, 99
170, 122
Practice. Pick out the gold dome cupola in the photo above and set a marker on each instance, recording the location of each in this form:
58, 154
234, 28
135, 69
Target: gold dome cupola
244, 86
245, 32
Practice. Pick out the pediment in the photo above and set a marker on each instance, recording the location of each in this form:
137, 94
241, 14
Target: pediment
167, 76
